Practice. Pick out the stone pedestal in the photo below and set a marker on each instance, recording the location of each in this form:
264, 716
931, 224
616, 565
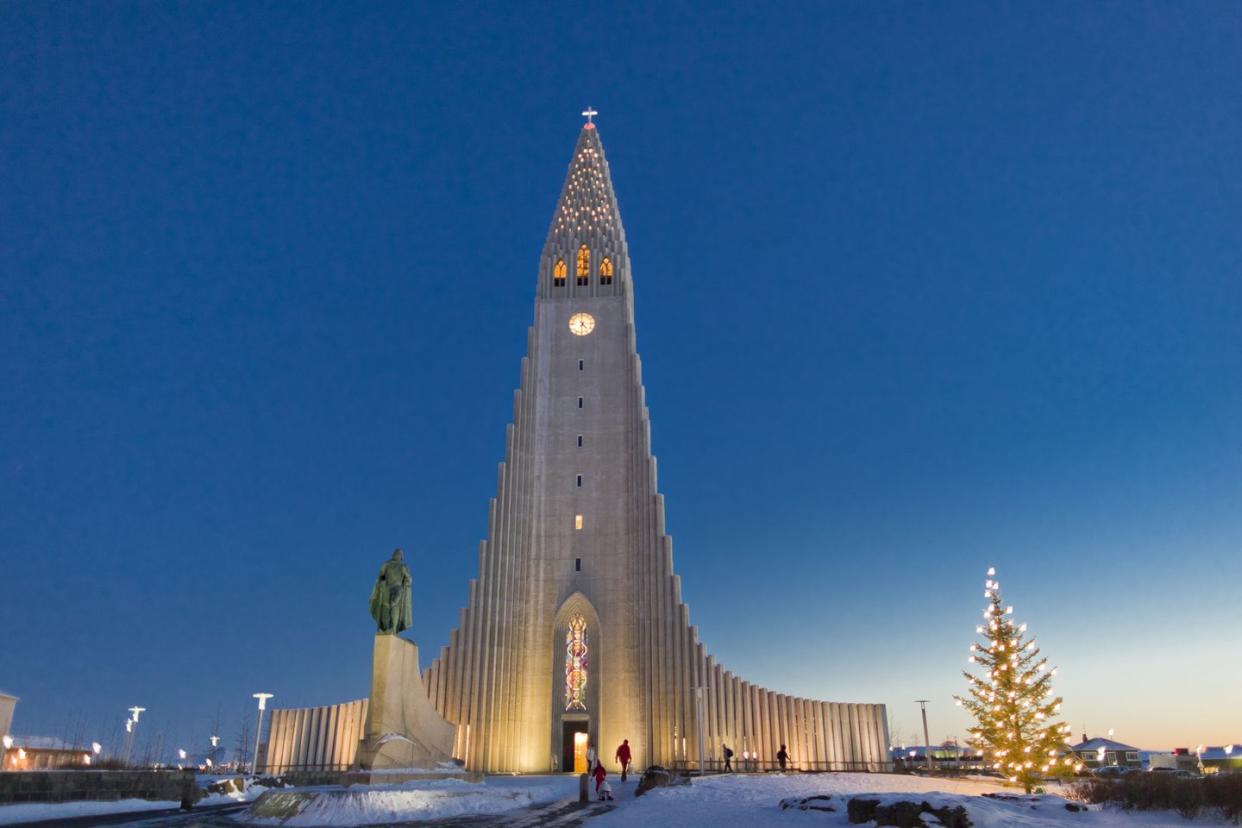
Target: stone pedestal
403, 729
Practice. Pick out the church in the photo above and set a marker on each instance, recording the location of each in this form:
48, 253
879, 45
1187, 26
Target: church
574, 633
575, 629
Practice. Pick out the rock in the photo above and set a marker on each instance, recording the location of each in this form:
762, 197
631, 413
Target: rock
810, 803
861, 810
900, 814
1070, 806
658, 777
950, 817
232, 785
906, 814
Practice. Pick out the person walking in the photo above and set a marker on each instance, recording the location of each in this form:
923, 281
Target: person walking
782, 756
728, 757
592, 758
623, 757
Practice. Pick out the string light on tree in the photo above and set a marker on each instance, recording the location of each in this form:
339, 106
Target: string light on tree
1012, 701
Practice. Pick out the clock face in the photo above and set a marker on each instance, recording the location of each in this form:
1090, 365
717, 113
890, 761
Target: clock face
581, 324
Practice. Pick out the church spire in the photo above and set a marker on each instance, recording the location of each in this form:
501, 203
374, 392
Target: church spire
585, 253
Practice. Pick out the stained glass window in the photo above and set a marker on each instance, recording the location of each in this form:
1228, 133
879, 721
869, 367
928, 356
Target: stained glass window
576, 664
605, 271
584, 265
558, 273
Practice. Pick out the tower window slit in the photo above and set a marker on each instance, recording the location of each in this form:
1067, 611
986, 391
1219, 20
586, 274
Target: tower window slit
581, 364
579, 481
577, 564
580, 402
579, 441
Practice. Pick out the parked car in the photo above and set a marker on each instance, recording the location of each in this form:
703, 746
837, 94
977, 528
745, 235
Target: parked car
1175, 773
1113, 771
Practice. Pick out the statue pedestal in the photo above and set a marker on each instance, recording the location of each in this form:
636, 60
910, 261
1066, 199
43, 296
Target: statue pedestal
403, 729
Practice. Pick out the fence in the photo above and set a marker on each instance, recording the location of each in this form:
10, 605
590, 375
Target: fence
740, 765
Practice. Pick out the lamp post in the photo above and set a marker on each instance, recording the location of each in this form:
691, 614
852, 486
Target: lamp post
131, 725
922, 703
258, 730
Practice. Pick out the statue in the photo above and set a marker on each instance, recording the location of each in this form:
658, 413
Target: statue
390, 598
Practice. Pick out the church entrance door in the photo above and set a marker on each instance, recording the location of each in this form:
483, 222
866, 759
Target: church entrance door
574, 746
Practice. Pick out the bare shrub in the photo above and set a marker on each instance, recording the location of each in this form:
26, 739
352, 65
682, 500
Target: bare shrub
1140, 791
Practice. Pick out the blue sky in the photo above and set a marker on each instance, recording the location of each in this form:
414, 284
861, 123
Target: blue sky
920, 289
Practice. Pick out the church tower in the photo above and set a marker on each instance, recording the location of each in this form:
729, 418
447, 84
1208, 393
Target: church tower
574, 629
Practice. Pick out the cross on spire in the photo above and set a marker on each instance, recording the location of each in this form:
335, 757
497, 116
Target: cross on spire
589, 113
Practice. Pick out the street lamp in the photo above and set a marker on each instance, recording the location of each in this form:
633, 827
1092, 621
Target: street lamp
922, 703
254, 762
131, 724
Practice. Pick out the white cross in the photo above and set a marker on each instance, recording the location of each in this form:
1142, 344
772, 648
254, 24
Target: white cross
589, 114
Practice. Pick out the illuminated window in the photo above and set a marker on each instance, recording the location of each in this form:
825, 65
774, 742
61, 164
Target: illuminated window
578, 522
576, 664
584, 265
558, 273
605, 271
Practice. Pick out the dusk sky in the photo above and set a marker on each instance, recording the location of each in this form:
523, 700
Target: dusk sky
920, 289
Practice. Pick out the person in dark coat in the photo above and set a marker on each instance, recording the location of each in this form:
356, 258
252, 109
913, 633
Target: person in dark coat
623, 757
728, 757
782, 756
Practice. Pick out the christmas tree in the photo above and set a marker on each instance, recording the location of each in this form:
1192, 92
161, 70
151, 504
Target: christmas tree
1012, 702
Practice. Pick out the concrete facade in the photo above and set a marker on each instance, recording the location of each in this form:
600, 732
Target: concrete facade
7, 705
576, 531
315, 738
403, 729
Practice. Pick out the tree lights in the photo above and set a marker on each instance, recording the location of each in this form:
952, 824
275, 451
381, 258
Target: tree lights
1012, 700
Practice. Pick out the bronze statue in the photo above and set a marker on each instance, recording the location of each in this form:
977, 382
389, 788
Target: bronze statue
391, 600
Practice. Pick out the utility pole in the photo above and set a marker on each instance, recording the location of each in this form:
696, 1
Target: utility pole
922, 703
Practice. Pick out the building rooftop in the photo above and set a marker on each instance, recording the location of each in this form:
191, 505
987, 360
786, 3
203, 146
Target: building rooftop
1097, 744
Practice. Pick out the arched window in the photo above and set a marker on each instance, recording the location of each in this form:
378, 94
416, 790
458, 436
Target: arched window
558, 273
605, 271
576, 664
584, 265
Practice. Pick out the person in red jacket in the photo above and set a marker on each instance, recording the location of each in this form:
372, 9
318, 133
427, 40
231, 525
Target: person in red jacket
599, 773
623, 756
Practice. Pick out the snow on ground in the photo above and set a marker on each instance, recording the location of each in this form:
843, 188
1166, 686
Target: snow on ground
35, 811
38, 811
754, 801
419, 800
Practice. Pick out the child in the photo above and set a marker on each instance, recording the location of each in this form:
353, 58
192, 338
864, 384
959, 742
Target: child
605, 792
599, 775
